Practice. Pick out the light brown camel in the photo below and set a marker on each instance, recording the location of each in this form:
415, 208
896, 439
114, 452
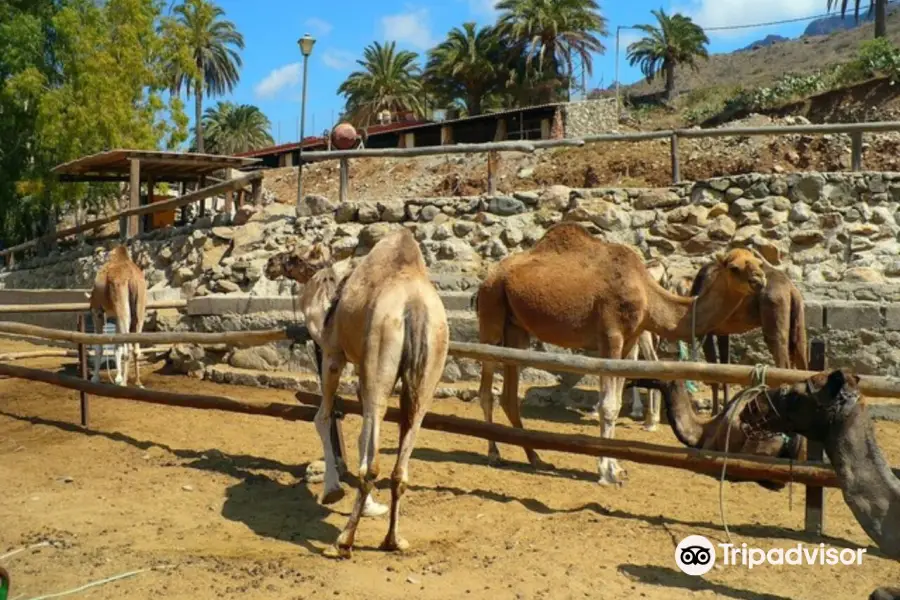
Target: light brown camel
386, 318
695, 431
120, 291
575, 291
828, 408
777, 308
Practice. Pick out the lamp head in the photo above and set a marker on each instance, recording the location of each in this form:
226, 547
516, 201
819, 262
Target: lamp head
306, 44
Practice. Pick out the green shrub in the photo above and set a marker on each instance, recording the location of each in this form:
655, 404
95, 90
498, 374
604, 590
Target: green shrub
877, 57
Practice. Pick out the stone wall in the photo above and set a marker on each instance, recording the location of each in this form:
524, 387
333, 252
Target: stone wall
590, 117
835, 234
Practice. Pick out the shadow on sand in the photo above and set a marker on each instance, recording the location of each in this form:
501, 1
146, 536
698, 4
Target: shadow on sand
671, 578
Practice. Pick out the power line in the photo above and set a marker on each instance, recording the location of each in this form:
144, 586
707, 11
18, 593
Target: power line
782, 22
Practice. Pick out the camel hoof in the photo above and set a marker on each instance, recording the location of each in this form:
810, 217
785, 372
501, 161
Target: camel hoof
494, 460
398, 544
650, 427
333, 496
337, 551
374, 509
540, 465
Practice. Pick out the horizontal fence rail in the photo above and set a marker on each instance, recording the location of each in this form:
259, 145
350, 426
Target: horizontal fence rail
64, 307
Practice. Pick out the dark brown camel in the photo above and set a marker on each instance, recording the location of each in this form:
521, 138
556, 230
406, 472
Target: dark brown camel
777, 309
828, 408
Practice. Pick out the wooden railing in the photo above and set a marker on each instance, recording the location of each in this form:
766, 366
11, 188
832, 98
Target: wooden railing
855, 130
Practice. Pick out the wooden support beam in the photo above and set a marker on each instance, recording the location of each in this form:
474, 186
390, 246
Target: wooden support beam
83, 373
676, 165
135, 190
815, 452
77, 307
690, 459
856, 139
297, 333
493, 159
256, 192
344, 192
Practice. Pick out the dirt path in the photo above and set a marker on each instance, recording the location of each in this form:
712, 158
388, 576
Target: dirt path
221, 497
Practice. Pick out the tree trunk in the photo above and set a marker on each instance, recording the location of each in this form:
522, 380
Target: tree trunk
670, 81
198, 115
473, 104
880, 18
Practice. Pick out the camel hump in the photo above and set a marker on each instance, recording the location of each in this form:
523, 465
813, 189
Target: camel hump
565, 237
119, 253
398, 251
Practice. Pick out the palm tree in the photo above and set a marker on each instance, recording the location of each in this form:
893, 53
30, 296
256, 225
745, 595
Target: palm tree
879, 6
389, 80
465, 66
677, 41
550, 32
205, 55
233, 128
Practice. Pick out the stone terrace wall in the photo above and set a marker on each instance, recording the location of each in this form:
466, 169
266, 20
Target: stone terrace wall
591, 117
835, 234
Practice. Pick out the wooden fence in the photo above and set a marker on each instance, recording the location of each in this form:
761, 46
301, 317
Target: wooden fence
854, 130
812, 473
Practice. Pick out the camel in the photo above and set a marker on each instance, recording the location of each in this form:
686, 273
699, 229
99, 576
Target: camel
385, 317
575, 291
777, 308
828, 408
120, 290
695, 431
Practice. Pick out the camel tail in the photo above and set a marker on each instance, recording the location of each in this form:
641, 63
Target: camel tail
798, 348
414, 357
133, 305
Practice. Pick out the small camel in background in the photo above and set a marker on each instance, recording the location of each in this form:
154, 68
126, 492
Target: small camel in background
120, 291
386, 318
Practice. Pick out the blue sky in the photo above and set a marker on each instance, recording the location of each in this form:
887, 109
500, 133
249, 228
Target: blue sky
271, 76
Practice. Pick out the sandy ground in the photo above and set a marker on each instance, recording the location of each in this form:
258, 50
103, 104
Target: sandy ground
220, 498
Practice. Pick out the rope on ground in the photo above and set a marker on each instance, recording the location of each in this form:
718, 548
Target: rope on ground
100, 582
20, 550
757, 386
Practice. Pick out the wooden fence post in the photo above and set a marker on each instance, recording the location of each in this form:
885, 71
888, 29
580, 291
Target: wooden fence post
815, 496
131, 228
856, 151
345, 180
492, 160
676, 168
83, 371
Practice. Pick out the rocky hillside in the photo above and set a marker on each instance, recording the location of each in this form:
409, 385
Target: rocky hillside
763, 65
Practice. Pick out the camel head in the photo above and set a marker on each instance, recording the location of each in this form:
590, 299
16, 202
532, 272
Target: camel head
299, 264
742, 270
813, 408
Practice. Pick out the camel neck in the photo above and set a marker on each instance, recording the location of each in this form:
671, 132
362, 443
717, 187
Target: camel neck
869, 486
669, 315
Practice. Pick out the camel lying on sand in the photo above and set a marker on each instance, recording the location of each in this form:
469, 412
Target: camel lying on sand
120, 291
385, 317
575, 291
777, 308
829, 409
695, 431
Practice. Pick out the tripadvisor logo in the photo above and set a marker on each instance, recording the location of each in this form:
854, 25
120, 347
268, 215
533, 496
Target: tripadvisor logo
696, 555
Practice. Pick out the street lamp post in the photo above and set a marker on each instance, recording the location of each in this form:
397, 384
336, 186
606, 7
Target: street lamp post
306, 45
618, 32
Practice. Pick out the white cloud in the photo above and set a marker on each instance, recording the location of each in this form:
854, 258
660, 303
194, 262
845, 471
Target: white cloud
628, 37
340, 60
483, 8
725, 13
277, 80
319, 26
413, 28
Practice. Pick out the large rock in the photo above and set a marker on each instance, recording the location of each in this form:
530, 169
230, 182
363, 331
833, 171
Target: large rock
658, 199
315, 204
246, 238
807, 188
259, 358
722, 228
372, 234
506, 206
600, 212
556, 198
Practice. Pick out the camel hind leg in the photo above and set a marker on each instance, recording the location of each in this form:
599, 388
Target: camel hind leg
776, 316
138, 303
516, 337
491, 309
123, 322
99, 318
651, 413
415, 400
